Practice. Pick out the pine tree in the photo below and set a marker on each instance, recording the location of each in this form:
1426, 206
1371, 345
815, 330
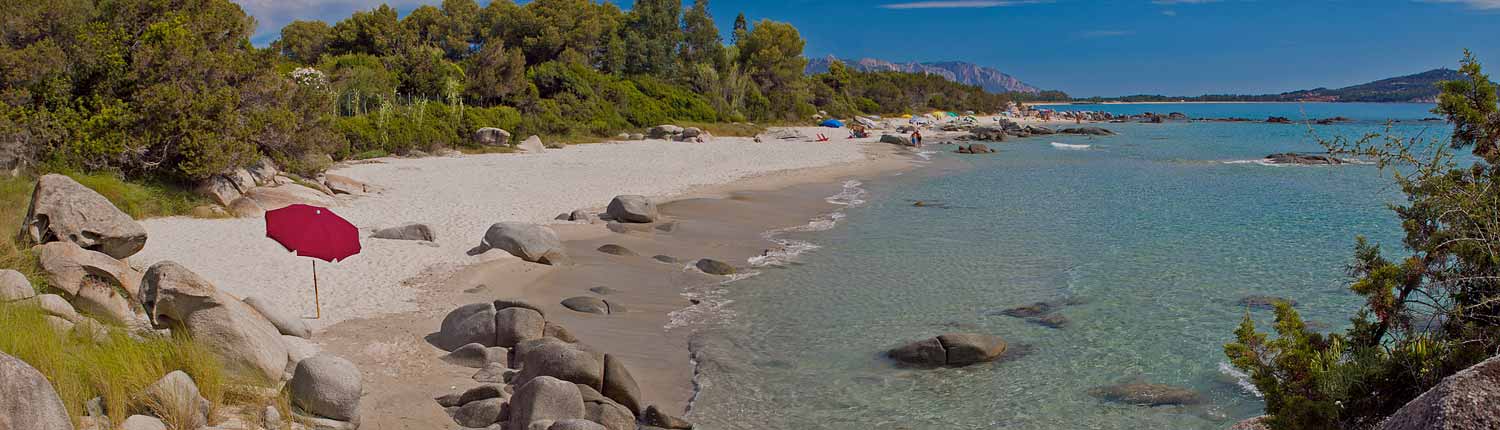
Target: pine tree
741, 29
701, 42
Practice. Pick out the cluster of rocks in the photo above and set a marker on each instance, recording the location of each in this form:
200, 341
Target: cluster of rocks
82, 242
1043, 313
977, 148
535, 375
1299, 158
678, 134
1281, 120
251, 191
1008, 129
495, 137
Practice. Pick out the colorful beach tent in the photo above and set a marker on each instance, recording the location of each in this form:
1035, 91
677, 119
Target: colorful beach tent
906, 116
832, 123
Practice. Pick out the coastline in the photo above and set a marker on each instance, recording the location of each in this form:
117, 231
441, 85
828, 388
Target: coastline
725, 221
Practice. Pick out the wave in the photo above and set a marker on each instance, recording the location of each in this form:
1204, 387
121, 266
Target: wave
1268, 163
1070, 147
851, 195
1240, 378
925, 155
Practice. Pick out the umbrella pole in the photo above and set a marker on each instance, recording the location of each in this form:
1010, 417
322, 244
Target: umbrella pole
317, 301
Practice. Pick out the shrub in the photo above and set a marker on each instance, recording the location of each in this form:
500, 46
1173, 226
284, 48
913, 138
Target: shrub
117, 369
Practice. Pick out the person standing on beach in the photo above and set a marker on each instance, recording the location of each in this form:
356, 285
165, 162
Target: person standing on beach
916, 138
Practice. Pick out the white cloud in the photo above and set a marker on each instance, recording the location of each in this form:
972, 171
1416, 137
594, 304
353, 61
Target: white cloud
1473, 4
959, 4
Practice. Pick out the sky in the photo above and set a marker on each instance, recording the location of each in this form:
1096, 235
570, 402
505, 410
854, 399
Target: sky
1103, 48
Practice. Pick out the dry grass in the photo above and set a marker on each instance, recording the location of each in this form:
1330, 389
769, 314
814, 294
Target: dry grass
118, 369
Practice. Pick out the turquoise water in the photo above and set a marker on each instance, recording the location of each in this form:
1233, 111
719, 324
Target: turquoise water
1157, 232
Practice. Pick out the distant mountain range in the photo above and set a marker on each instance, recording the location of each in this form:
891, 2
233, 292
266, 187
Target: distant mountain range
990, 79
1416, 88
1420, 87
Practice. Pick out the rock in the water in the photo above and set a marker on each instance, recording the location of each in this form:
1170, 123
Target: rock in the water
1265, 302
967, 348
632, 208
14, 286
714, 267
986, 133
619, 386
896, 140
1052, 320
68, 265
1462, 401
603, 291
544, 398
615, 249
655, 417
1146, 394
514, 325
667, 227
142, 422
925, 352
177, 392
585, 304
476, 356
409, 231
480, 413
64, 210
29, 401
248, 345
473, 323
666, 259
285, 323
1029, 311
1094, 131
952, 349
532, 145
328, 386
490, 136
1296, 158
530, 242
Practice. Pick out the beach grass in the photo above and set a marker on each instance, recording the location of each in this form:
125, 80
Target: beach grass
116, 368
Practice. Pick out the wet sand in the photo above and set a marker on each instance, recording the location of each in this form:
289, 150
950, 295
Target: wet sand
724, 222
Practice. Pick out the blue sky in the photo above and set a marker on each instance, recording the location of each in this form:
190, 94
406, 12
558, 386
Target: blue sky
1106, 48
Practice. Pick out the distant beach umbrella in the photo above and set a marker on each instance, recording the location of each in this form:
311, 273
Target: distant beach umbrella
316, 232
832, 123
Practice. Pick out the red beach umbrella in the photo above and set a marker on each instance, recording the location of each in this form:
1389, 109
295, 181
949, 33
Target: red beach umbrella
311, 231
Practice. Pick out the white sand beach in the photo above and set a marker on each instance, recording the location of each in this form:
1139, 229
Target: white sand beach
460, 197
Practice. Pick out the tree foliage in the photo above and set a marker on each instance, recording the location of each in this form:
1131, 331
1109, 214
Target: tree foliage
1426, 315
175, 89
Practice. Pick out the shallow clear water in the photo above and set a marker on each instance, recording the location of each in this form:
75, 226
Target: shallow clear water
1158, 231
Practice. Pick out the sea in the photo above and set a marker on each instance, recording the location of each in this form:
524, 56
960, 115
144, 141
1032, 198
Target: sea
1146, 242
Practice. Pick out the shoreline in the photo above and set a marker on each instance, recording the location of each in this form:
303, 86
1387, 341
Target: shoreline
726, 221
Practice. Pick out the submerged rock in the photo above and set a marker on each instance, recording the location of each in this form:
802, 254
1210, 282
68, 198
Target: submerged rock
1264, 302
714, 267
1146, 394
613, 249
1297, 158
1029, 311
